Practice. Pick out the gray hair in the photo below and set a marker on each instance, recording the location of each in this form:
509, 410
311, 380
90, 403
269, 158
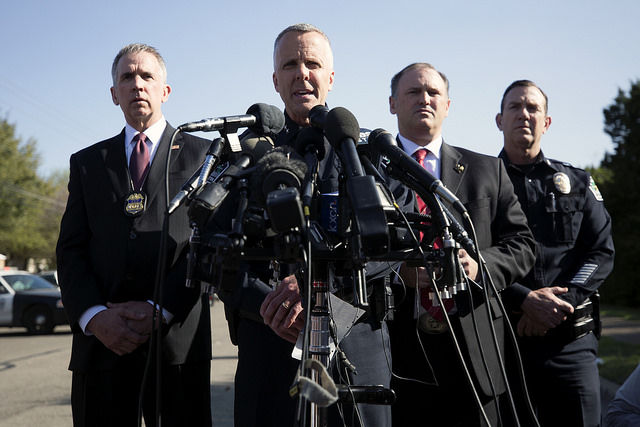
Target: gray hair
134, 48
298, 28
396, 79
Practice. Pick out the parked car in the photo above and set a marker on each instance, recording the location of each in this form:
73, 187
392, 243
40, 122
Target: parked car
30, 301
50, 276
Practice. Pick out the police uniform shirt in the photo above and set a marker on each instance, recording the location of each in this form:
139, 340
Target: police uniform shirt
570, 224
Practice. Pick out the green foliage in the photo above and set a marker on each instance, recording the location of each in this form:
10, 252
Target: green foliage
30, 206
620, 187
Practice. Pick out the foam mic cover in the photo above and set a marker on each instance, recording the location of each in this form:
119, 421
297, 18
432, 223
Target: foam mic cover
310, 139
279, 168
255, 147
269, 119
341, 124
318, 116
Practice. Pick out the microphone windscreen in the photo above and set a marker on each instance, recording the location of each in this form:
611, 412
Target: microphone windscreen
341, 124
381, 140
310, 138
280, 167
255, 146
318, 116
269, 119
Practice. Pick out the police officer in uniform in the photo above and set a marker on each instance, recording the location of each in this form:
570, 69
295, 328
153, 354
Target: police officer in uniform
556, 306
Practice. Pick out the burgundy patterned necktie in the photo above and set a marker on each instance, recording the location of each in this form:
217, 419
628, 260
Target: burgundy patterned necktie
139, 162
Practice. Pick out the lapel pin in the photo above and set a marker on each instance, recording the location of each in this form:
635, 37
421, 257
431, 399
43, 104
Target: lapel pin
175, 147
458, 168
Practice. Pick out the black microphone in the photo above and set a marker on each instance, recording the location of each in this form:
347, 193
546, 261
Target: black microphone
200, 176
318, 116
279, 168
211, 196
383, 142
263, 119
342, 131
277, 177
269, 119
310, 144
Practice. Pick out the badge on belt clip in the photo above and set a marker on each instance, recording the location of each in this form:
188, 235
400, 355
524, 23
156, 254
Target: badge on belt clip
135, 203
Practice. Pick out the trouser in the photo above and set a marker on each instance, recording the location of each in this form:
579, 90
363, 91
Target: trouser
264, 374
367, 348
110, 397
266, 371
564, 385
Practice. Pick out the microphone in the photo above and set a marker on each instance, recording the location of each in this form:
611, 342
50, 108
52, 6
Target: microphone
318, 116
263, 119
279, 168
277, 176
211, 196
212, 124
199, 176
383, 142
269, 119
342, 131
310, 144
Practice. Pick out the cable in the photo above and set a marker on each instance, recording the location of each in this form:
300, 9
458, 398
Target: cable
155, 342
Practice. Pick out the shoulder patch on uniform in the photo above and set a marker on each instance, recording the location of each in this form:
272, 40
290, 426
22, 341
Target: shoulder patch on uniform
594, 189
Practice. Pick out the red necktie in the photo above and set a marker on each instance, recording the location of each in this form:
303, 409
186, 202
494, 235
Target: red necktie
139, 162
420, 155
435, 312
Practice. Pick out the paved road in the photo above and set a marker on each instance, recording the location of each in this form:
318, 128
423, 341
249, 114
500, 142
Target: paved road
35, 383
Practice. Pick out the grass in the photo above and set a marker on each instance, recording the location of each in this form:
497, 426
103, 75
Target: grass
619, 359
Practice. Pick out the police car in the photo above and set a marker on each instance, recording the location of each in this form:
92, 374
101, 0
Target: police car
29, 301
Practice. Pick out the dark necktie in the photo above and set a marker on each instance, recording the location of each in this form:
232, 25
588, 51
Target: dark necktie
139, 162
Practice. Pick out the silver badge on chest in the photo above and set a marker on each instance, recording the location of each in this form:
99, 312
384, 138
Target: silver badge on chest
562, 182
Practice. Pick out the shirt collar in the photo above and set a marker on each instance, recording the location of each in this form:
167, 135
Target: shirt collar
411, 147
541, 161
153, 132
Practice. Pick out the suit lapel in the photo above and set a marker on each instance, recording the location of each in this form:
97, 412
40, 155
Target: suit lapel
114, 158
452, 168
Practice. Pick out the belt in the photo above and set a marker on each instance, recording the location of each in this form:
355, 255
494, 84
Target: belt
582, 321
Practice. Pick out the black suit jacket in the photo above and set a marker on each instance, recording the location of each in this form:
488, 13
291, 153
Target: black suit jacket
505, 242
106, 256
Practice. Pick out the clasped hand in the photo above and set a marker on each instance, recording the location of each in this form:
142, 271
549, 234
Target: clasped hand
543, 310
123, 327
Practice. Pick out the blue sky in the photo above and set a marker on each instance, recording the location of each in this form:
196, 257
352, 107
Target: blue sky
56, 58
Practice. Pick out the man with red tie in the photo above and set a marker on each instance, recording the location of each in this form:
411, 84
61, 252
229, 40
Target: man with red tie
431, 383
108, 255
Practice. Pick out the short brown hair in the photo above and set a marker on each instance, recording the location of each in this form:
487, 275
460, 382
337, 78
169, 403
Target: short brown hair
395, 79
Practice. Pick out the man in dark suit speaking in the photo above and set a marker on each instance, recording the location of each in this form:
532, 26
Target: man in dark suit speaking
108, 254
432, 374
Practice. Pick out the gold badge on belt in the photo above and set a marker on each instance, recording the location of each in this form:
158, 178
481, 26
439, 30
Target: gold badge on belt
134, 204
